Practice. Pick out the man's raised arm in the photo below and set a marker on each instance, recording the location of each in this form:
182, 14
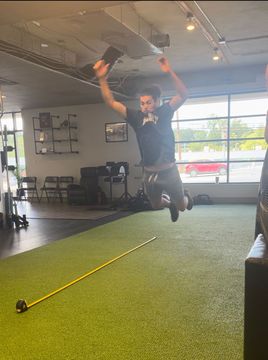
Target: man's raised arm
181, 90
101, 70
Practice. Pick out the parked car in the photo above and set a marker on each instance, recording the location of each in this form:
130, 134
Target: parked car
205, 167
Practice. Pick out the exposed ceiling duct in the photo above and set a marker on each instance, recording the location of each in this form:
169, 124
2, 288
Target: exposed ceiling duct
27, 43
4, 81
120, 26
130, 33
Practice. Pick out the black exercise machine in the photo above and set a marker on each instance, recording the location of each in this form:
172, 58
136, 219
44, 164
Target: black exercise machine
12, 217
117, 174
262, 205
256, 279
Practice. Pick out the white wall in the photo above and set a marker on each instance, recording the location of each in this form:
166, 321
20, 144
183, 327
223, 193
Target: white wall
93, 149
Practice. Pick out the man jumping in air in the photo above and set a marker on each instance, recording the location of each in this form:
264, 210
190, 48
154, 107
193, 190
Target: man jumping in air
152, 125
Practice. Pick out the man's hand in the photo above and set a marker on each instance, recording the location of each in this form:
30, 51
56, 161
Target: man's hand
165, 67
101, 69
181, 89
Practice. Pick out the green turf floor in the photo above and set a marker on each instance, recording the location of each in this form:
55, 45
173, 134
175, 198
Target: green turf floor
179, 297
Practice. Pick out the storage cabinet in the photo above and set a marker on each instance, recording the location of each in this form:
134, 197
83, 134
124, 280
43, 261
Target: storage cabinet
53, 135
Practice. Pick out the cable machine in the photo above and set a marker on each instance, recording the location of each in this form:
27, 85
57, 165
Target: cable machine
11, 214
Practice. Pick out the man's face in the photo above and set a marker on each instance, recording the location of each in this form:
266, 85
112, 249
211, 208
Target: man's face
148, 104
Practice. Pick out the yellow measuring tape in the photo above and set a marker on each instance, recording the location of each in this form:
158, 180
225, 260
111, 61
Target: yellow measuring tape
22, 306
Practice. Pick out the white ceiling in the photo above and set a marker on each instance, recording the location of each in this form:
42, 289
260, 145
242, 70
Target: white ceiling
78, 32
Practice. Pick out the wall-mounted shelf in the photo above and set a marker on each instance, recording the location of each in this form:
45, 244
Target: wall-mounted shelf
53, 136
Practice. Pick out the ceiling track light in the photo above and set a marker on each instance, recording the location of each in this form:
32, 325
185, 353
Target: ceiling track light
216, 54
190, 24
222, 41
214, 43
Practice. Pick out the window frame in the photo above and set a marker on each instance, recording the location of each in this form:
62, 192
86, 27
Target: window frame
228, 139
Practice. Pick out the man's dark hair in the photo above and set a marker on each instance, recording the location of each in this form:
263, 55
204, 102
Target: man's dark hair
154, 91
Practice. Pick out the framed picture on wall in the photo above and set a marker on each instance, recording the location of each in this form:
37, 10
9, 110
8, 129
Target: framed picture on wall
116, 132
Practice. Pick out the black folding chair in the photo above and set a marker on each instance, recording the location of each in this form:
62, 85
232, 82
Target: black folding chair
27, 188
64, 182
51, 188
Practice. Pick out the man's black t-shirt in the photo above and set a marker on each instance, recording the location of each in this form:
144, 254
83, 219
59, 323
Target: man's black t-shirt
154, 134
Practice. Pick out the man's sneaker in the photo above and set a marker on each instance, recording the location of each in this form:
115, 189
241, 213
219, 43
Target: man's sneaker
173, 212
166, 197
190, 200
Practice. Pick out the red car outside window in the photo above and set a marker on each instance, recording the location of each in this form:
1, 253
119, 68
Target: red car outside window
205, 167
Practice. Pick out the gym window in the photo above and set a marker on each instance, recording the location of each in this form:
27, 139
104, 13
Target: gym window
221, 138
